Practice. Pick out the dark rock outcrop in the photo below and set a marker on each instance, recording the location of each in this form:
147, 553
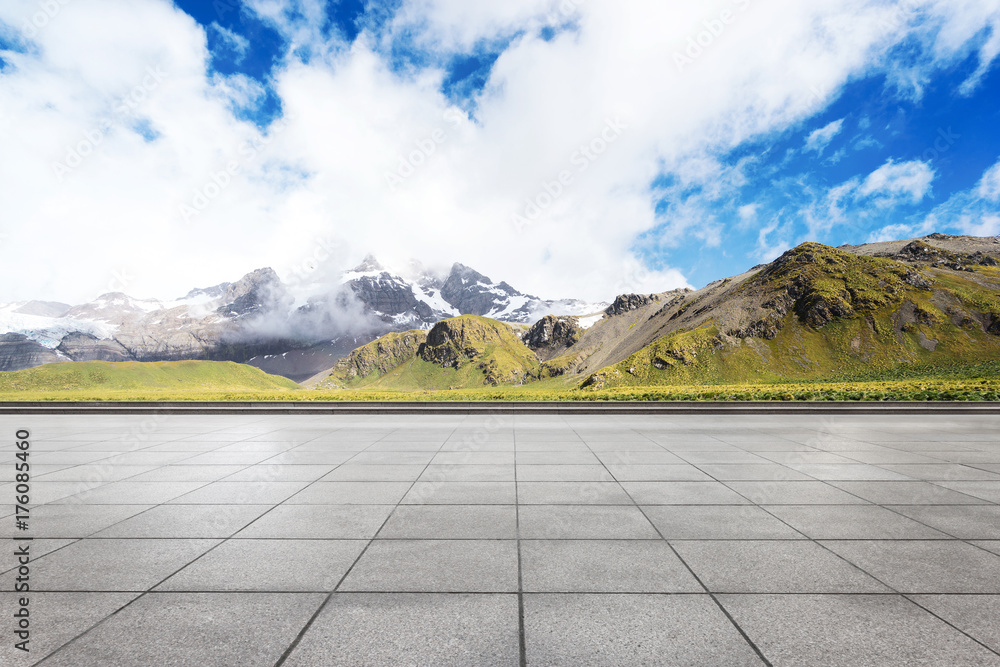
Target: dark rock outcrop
472, 293
629, 302
256, 292
86, 347
551, 336
18, 352
389, 296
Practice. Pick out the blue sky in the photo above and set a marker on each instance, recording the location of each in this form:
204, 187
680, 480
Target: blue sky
570, 147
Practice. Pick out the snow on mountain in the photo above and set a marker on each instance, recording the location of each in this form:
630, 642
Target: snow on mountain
260, 319
49, 331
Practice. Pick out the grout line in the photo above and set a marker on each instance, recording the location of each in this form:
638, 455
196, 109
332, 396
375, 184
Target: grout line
714, 598
298, 638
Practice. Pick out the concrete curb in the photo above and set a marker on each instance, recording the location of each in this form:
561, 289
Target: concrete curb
501, 407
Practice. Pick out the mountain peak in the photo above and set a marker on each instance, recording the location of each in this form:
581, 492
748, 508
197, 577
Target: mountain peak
368, 264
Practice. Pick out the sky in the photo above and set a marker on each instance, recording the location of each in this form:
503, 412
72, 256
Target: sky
573, 148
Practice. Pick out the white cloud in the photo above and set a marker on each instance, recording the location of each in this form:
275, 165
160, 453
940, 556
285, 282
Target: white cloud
238, 44
989, 184
975, 212
821, 138
350, 120
893, 182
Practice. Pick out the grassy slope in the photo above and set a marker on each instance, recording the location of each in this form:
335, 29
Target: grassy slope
869, 340
470, 352
133, 380
375, 359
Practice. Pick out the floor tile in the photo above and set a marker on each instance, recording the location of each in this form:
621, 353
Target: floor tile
851, 631
600, 630
412, 629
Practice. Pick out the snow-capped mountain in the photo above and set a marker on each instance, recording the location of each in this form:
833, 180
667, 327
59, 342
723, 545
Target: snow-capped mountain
258, 320
418, 299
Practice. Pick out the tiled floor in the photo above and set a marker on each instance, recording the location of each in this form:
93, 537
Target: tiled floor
507, 540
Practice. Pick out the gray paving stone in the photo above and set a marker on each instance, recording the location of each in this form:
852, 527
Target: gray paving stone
461, 493
375, 473
205, 629
967, 522
572, 493
600, 630
454, 522
584, 522
924, 566
468, 473
563, 473
989, 545
72, 521
95, 473
974, 614
852, 522
848, 472
277, 566
56, 618
38, 548
732, 456
794, 493
436, 566
607, 566
350, 493
240, 493
473, 458
264, 472
643, 457
791, 458
187, 521
394, 458
225, 458
718, 522
683, 493
175, 473
792, 566
43, 493
851, 631
988, 491
300, 457
320, 522
412, 629
132, 493
657, 473
753, 472
941, 472
906, 493
112, 565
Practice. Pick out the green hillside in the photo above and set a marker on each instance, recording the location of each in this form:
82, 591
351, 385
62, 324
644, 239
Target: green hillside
102, 379
459, 353
828, 313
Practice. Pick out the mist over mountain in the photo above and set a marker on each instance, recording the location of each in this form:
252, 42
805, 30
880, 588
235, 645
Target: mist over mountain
292, 330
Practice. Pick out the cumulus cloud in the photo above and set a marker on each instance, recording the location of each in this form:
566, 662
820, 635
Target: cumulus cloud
894, 182
974, 212
821, 138
989, 184
572, 133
